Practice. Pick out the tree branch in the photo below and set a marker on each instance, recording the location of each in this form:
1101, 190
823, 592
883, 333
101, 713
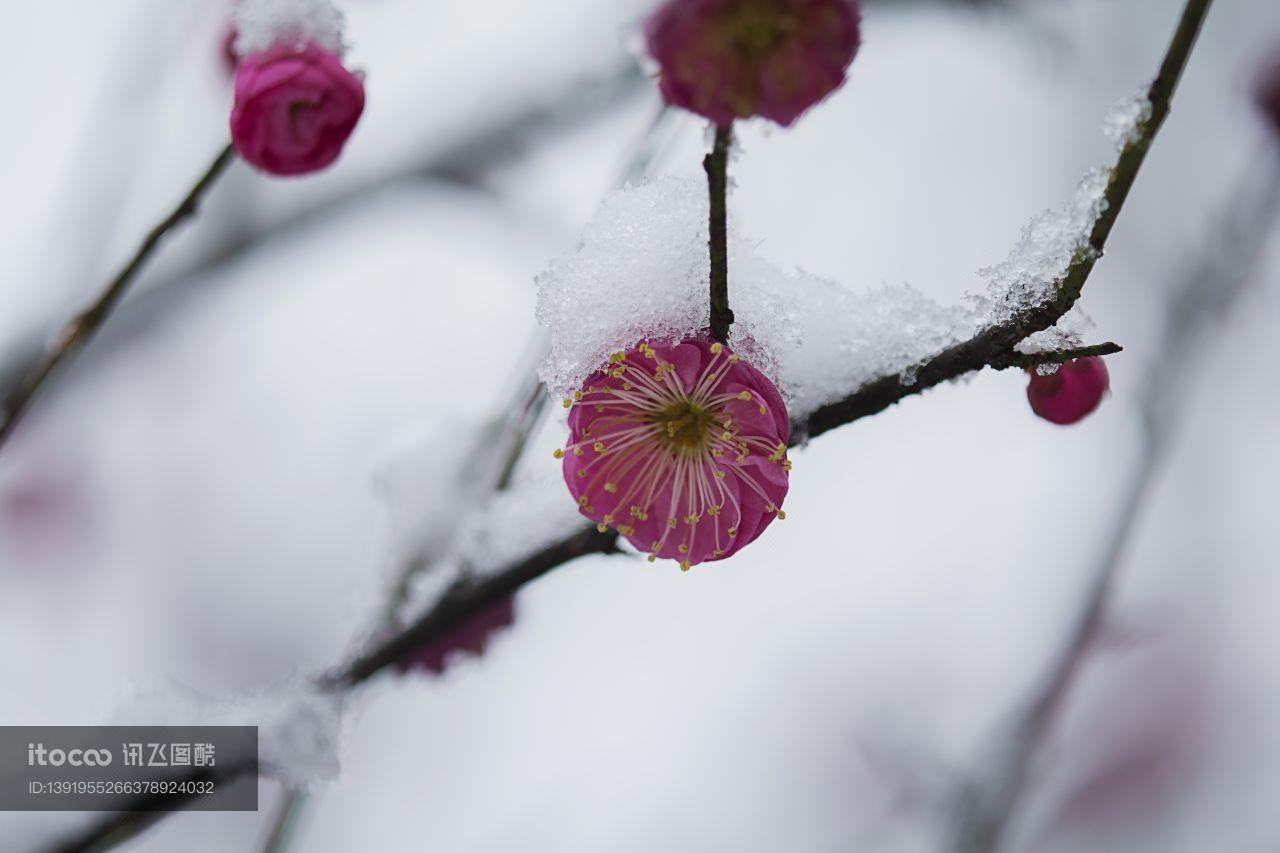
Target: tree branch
463, 158
1060, 356
81, 329
993, 346
466, 598
716, 165
990, 804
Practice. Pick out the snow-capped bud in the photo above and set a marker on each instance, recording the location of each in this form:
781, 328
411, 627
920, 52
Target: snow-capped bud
680, 447
1070, 393
727, 59
1266, 92
294, 108
471, 636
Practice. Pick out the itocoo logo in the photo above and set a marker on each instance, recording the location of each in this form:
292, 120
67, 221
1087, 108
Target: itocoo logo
38, 755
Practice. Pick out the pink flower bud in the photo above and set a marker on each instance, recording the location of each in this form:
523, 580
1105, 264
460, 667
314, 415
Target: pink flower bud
471, 636
680, 447
727, 59
1266, 93
1071, 393
230, 58
294, 108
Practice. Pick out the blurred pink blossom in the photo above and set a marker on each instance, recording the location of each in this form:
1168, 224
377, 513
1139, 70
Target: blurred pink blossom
294, 108
471, 636
1266, 93
727, 59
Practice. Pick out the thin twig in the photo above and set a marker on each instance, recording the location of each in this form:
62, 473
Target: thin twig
993, 344
284, 821
989, 806
716, 165
519, 427
470, 153
467, 597
81, 328
1060, 356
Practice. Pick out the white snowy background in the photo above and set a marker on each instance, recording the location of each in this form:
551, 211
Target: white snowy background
193, 509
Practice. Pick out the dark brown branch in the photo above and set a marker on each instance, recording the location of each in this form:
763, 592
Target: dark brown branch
993, 345
1060, 356
81, 329
466, 598
716, 165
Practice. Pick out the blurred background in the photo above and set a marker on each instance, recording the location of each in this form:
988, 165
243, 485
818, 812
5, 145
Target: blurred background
193, 508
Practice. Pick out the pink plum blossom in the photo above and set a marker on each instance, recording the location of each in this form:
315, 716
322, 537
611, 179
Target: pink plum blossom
1070, 393
294, 108
471, 636
727, 59
681, 447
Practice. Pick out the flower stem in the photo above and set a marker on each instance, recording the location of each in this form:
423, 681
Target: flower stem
1059, 356
716, 164
81, 328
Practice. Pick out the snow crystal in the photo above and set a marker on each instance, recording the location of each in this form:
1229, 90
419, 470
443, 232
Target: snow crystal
260, 24
1050, 243
1126, 118
1069, 332
641, 271
299, 733
515, 523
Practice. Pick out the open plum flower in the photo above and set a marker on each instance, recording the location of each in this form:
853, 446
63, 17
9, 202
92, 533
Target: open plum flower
681, 447
727, 59
295, 107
